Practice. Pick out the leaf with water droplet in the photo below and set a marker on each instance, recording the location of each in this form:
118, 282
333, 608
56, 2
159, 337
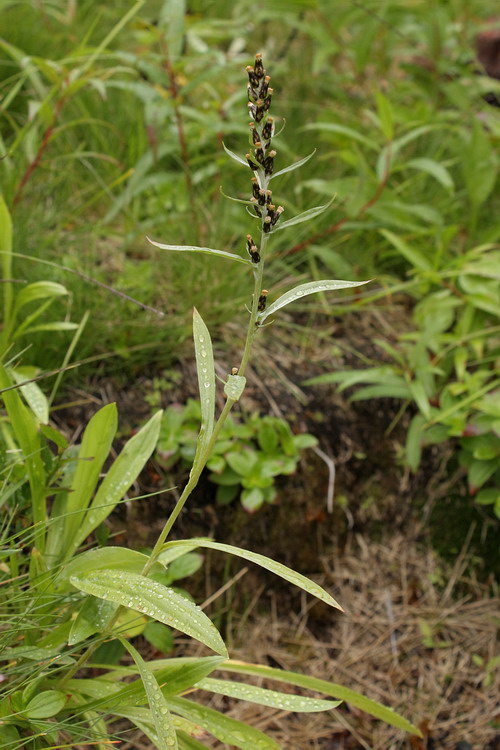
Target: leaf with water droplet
265, 562
206, 384
205, 250
223, 727
312, 287
153, 599
265, 697
235, 386
94, 617
378, 710
167, 738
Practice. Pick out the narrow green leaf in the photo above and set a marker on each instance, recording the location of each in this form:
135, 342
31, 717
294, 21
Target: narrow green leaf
333, 127
121, 475
385, 114
206, 250
206, 383
311, 213
235, 386
294, 166
153, 599
39, 290
419, 395
45, 705
412, 255
94, 450
224, 728
234, 156
414, 438
171, 22
340, 692
265, 562
33, 394
312, 287
159, 708
434, 169
264, 697
6, 252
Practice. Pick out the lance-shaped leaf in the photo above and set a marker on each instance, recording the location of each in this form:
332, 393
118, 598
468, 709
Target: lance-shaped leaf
206, 383
93, 617
120, 558
312, 287
236, 200
96, 444
292, 167
311, 213
234, 156
265, 562
121, 475
378, 710
195, 249
167, 737
33, 394
264, 697
227, 730
153, 599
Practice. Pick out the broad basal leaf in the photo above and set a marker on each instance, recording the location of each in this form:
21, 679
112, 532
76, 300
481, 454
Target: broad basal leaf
153, 599
312, 287
265, 562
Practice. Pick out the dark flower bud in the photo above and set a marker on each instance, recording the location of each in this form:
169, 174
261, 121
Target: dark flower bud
252, 77
251, 163
255, 135
267, 224
259, 110
277, 214
252, 93
255, 206
267, 130
261, 198
250, 242
254, 254
258, 67
255, 187
264, 87
269, 163
269, 196
259, 152
262, 300
252, 109
267, 100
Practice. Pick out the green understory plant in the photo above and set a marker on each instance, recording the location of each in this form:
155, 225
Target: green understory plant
246, 457
66, 603
446, 368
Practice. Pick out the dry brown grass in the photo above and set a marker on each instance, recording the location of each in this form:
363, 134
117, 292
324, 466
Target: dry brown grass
407, 639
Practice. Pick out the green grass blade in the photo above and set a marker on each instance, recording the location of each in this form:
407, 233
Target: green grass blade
6, 250
265, 562
378, 710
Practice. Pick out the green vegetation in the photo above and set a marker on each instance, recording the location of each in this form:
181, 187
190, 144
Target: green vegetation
116, 126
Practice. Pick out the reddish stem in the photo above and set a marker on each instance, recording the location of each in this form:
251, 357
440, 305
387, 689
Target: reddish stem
335, 227
174, 92
41, 150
